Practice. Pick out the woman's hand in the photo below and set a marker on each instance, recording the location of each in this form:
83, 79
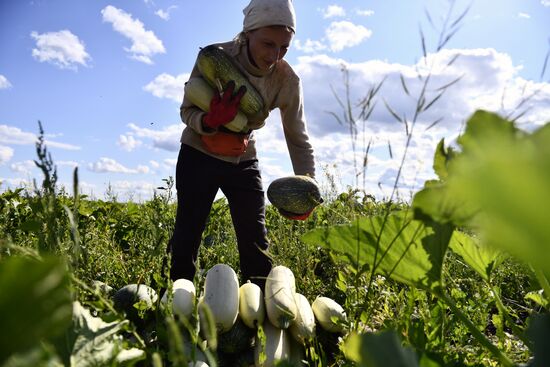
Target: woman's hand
224, 106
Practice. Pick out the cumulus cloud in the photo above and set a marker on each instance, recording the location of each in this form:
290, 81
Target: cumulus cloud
109, 165
346, 34
145, 44
333, 11
545, 2
167, 139
129, 189
170, 163
24, 167
165, 14
4, 82
14, 135
6, 154
62, 49
524, 15
309, 46
128, 142
168, 86
338, 35
489, 80
71, 164
365, 12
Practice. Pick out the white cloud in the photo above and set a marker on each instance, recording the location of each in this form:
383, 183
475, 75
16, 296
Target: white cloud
62, 49
309, 46
168, 86
165, 14
346, 34
65, 146
129, 189
17, 182
167, 139
4, 82
489, 79
333, 11
6, 153
13, 135
365, 13
545, 2
128, 142
154, 164
524, 15
104, 165
143, 169
145, 43
24, 167
170, 163
72, 164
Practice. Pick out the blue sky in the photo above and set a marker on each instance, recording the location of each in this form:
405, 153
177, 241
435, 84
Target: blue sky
106, 80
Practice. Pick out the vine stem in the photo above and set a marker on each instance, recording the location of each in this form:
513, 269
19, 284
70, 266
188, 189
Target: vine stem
480, 337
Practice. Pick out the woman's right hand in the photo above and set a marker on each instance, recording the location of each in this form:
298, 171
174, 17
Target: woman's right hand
224, 107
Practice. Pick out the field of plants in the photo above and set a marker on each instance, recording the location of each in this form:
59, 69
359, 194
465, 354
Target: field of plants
459, 276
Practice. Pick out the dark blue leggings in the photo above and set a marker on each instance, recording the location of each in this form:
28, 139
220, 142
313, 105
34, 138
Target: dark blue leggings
198, 178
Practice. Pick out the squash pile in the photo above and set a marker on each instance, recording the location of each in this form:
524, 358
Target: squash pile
286, 318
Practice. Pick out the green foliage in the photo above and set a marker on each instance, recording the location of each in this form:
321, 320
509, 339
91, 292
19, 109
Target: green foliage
394, 245
412, 284
496, 185
35, 303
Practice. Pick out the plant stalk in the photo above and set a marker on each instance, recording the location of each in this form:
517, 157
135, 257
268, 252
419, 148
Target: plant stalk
481, 338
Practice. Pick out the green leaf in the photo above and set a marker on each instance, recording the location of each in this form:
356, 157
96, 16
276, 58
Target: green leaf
498, 186
443, 155
382, 349
539, 333
35, 303
537, 297
93, 342
396, 246
506, 173
481, 259
436, 202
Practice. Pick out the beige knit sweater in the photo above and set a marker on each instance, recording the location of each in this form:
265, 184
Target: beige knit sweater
280, 88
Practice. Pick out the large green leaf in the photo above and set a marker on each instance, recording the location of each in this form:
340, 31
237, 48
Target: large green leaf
382, 349
482, 259
35, 303
507, 174
93, 342
498, 185
396, 246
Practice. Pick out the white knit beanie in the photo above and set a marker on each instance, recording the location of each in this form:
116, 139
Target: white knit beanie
263, 13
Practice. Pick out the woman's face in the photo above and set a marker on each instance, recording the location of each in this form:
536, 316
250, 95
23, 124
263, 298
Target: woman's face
268, 45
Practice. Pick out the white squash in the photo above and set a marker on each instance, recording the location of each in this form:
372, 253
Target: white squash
280, 287
325, 309
303, 327
221, 294
251, 305
183, 297
275, 349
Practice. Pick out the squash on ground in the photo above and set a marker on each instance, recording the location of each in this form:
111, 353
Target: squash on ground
221, 294
303, 327
280, 287
325, 309
251, 305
